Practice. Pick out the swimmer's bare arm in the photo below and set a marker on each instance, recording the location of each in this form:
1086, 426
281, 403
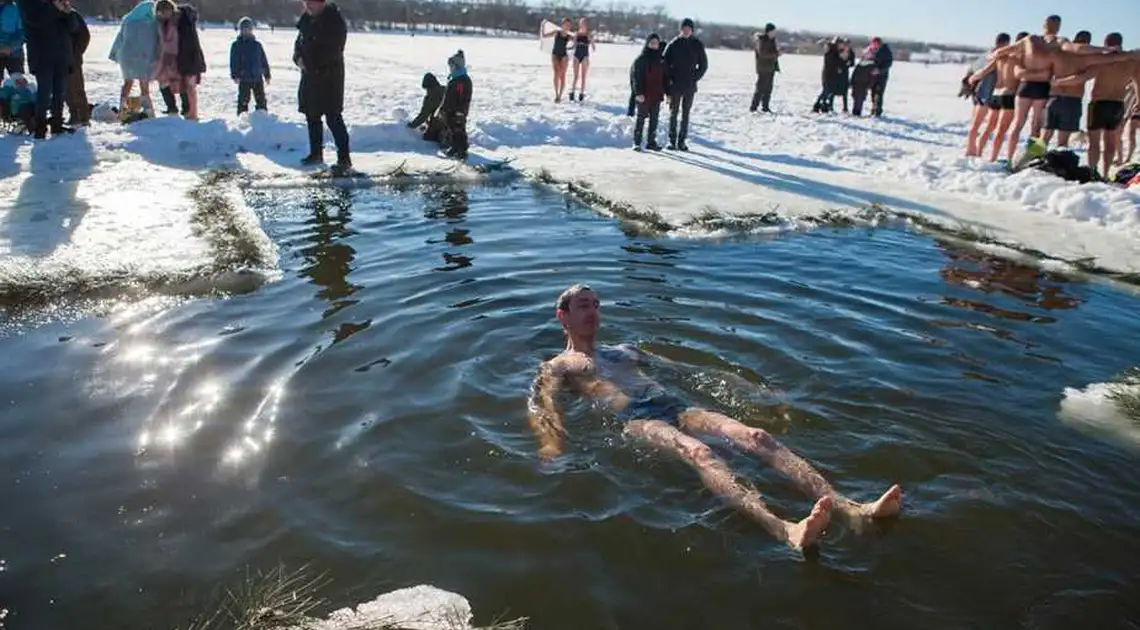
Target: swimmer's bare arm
545, 415
981, 74
1075, 79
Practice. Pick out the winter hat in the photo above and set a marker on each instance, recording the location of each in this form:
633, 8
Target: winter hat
458, 60
769, 27
430, 80
688, 22
652, 36
245, 23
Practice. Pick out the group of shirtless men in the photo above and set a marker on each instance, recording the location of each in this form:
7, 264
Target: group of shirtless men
1044, 76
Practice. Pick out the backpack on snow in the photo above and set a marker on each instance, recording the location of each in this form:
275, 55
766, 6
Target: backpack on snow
1064, 164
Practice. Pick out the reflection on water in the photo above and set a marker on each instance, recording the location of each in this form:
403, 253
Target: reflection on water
186, 442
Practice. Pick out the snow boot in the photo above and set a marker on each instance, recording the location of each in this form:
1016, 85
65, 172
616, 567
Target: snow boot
39, 128
652, 146
312, 159
681, 146
637, 147
58, 128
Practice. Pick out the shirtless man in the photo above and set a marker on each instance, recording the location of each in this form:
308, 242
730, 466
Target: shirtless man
983, 93
1063, 114
665, 421
1035, 77
1002, 103
1106, 111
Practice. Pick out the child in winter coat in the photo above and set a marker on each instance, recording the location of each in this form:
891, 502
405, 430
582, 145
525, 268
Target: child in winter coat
428, 119
249, 67
456, 104
181, 60
18, 99
649, 90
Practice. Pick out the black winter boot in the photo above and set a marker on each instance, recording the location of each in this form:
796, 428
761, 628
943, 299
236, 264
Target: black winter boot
312, 158
39, 128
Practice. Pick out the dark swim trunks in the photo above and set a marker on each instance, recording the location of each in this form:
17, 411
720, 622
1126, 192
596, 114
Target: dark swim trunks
1106, 115
1064, 113
1002, 101
660, 405
1035, 90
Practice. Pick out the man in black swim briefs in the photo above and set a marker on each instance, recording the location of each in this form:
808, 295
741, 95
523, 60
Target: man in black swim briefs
666, 421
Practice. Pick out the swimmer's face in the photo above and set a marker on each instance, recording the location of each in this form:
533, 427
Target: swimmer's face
1052, 26
583, 314
583, 25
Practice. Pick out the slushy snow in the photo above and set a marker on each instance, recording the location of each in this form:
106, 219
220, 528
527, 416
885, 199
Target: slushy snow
1093, 410
113, 200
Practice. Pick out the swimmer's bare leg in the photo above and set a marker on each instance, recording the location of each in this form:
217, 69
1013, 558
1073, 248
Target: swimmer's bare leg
1096, 144
1005, 119
1038, 111
980, 112
1023, 107
776, 455
717, 477
991, 126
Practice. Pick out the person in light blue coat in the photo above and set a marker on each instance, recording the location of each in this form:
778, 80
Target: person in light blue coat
136, 50
11, 38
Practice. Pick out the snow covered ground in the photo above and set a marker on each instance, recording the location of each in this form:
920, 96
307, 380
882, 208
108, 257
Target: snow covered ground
111, 201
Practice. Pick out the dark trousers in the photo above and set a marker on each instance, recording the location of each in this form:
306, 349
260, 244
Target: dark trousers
858, 97
258, 90
317, 135
682, 103
172, 104
11, 65
878, 89
51, 84
78, 108
651, 112
457, 124
763, 94
632, 109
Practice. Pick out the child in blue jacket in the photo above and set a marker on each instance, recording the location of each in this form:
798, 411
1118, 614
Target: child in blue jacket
249, 67
18, 99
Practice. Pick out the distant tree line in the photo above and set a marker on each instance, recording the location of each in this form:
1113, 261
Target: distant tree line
620, 20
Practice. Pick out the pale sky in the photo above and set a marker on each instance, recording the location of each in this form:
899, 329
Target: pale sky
973, 22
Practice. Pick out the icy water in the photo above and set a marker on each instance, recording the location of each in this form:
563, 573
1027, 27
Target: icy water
366, 415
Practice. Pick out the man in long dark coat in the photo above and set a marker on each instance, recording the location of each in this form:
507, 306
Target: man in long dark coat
319, 53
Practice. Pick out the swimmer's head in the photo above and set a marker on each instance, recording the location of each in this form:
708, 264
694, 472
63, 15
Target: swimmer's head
1003, 39
1053, 24
566, 23
1082, 37
579, 310
1114, 40
1022, 35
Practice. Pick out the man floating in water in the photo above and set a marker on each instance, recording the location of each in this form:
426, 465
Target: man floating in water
665, 421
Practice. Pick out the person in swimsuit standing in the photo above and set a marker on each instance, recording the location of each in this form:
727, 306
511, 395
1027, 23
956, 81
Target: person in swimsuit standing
583, 44
1106, 111
1002, 102
1133, 120
667, 422
982, 91
560, 57
1066, 102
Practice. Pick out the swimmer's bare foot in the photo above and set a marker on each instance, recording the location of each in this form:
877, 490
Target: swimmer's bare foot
858, 515
805, 533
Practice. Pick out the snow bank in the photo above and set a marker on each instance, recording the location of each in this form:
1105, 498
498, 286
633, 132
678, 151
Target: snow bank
1094, 410
112, 201
415, 608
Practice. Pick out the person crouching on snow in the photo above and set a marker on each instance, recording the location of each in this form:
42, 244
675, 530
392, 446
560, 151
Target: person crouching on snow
456, 104
649, 90
181, 61
249, 68
18, 100
428, 119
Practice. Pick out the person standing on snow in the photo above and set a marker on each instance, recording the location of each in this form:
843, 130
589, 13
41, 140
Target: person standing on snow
182, 62
685, 65
882, 60
319, 53
79, 110
427, 120
50, 52
456, 105
767, 65
135, 49
11, 39
648, 78
249, 68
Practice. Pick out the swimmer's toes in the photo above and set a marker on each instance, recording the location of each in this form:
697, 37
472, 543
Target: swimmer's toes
806, 533
890, 504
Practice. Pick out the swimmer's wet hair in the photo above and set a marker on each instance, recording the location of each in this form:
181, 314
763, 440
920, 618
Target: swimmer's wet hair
1002, 39
1022, 35
1056, 19
1083, 37
569, 294
1114, 39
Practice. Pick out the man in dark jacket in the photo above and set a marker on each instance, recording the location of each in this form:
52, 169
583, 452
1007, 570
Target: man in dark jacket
880, 74
79, 110
456, 106
319, 53
649, 90
48, 30
767, 65
249, 67
427, 119
685, 64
